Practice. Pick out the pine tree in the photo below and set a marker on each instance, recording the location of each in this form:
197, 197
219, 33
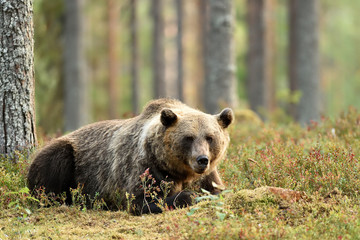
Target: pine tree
304, 59
17, 113
220, 87
75, 90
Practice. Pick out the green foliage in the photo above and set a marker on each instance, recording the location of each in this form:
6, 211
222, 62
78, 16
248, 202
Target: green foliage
214, 204
20, 202
318, 159
13, 180
152, 191
83, 201
49, 24
129, 201
338, 46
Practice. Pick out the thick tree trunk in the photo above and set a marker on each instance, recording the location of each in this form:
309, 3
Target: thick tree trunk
220, 87
260, 76
158, 49
75, 91
17, 113
304, 59
134, 57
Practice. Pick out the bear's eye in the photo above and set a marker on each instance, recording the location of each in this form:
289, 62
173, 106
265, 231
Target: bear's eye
209, 139
189, 139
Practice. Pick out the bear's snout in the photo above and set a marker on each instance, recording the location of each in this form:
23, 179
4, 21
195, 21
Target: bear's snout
202, 161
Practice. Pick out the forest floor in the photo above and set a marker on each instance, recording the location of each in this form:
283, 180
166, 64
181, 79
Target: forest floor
314, 174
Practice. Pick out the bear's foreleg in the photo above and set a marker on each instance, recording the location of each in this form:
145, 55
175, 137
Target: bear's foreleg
212, 183
179, 200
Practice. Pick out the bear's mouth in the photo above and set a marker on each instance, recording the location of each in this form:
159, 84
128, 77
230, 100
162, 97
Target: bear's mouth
200, 171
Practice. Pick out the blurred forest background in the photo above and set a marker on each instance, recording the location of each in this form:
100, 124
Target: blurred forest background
116, 44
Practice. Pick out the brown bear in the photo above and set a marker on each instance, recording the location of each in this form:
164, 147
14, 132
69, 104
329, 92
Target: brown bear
174, 142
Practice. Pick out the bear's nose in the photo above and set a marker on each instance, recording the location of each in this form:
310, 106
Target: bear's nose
202, 160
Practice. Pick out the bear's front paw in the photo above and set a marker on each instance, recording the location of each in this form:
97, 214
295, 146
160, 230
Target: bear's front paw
183, 199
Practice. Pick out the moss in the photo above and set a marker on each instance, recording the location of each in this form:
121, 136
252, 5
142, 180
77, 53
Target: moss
246, 115
264, 196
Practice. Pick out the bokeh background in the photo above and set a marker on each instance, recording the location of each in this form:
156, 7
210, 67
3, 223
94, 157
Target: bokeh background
106, 46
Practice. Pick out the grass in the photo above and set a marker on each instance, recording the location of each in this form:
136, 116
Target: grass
321, 162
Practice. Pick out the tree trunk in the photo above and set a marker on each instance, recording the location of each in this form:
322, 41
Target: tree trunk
134, 56
170, 49
193, 51
112, 63
158, 49
17, 115
180, 76
304, 59
220, 87
75, 91
260, 76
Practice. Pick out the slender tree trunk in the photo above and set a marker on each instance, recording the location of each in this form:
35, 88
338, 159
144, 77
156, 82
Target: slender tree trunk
270, 50
220, 88
170, 49
17, 113
260, 77
134, 56
112, 63
75, 91
158, 49
179, 43
193, 59
304, 59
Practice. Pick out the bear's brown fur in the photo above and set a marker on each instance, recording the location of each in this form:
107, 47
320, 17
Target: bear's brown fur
175, 142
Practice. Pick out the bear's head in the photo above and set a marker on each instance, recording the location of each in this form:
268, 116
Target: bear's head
194, 141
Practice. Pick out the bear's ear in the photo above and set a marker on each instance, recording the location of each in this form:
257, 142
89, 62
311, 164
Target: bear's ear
225, 118
168, 117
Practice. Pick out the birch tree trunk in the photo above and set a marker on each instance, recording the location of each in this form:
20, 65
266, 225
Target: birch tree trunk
220, 87
304, 59
17, 113
75, 91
